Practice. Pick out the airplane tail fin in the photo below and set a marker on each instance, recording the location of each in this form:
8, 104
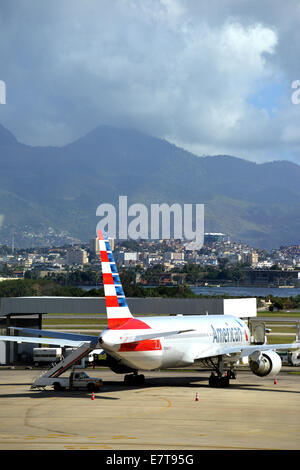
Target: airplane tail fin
117, 310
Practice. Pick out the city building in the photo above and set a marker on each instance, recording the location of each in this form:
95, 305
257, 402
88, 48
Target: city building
272, 277
94, 245
126, 258
77, 256
171, 256
215, 238
251, 258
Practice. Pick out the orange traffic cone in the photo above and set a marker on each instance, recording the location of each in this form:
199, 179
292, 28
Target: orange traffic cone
197, 397
93, 396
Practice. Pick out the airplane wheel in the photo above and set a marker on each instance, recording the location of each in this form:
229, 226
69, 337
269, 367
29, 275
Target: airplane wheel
224, 381
231, 374
128, 379
58, 387
140, 379
218, 382
132, 379
213, 380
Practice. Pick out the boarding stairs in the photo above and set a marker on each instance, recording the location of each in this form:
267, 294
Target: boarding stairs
67, 362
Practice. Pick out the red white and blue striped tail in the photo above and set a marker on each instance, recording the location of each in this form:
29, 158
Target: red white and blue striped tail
118, 313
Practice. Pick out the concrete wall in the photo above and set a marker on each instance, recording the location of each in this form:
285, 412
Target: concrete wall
138, 306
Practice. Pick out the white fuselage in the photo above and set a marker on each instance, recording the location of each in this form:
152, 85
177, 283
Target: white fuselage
179, 350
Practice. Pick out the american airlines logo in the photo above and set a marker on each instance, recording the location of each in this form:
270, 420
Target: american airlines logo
227, 335
2, 92
159, 222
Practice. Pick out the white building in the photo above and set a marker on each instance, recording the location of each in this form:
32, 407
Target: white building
94, 245
174, 256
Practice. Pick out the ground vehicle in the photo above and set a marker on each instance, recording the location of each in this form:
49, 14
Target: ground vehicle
76, 380
291, 358
46, 355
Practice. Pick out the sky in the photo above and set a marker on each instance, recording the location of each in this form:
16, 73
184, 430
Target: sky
214, 77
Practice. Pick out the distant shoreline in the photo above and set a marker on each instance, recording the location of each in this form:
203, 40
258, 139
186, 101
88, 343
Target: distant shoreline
242, 291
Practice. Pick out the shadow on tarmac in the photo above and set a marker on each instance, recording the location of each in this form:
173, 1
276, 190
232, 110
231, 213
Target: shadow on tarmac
202, 382
193, 381
56, 394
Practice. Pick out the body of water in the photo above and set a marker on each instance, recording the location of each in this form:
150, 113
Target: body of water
237, 291
247, 291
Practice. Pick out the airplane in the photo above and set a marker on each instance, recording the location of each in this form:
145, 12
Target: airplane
134, 344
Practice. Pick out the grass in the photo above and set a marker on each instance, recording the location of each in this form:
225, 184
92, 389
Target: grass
278, 314
75, 314
280, 339
283, 329
74, 321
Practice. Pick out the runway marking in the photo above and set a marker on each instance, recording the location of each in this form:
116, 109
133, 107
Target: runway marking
147, 445
50, 436
80, 446
168, 401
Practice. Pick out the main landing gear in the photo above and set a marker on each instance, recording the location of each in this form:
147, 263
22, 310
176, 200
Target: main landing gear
134, 379
219, 380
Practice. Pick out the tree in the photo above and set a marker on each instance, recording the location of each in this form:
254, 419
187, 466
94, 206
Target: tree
278, 304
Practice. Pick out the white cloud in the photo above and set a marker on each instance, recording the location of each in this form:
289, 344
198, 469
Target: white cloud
186, 70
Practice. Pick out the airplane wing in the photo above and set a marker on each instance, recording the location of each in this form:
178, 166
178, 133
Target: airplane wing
221, 349
265, 347
56, 338
39, 340
57, 334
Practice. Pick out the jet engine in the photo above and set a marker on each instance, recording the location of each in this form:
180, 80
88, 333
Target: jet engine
265, 363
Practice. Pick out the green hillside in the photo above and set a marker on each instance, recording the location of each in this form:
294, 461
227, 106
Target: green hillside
63, 186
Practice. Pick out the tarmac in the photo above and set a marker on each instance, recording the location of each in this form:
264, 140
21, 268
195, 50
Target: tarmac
252, 414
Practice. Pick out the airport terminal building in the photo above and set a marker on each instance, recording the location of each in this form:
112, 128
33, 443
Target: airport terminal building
28, 312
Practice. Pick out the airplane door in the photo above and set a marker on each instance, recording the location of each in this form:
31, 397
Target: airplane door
258, 332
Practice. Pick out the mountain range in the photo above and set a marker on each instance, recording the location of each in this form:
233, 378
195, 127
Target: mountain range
61, 187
